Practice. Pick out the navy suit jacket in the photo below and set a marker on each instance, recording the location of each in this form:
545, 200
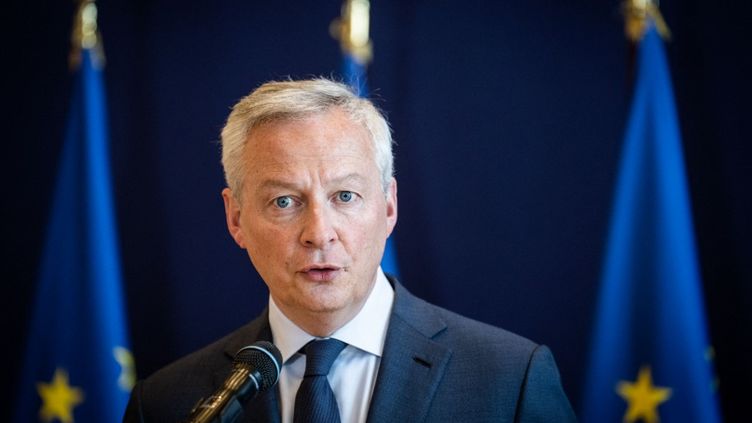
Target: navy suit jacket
436, 366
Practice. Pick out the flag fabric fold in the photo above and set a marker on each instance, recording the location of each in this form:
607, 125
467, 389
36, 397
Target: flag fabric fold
78, 367
354, 74
651, 358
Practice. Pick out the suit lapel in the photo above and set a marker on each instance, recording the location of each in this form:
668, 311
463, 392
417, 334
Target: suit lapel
265, 407
412, 364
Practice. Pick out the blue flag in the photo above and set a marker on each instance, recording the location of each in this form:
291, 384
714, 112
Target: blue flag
78, 365
354, 73
651, 359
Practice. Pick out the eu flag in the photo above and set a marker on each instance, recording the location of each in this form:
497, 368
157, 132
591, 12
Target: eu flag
78, 366
651, 359
354, 73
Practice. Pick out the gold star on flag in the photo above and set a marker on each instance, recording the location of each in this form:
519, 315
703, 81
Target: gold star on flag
127, 368
642, 397
59, 398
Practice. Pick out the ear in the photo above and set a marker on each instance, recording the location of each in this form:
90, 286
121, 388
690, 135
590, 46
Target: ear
232, 213
391, 206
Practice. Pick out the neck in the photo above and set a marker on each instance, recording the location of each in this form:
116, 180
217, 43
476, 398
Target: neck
323, 323
321, 327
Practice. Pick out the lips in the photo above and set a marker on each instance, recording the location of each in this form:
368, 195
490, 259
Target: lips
321, 272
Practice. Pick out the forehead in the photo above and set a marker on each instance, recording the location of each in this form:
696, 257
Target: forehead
329, 140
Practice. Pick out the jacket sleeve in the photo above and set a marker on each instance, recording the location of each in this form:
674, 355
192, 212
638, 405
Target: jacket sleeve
133, 412
542, 398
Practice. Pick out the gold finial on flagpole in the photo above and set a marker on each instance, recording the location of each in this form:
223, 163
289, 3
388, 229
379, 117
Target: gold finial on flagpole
351, 29
85, 35
637, 15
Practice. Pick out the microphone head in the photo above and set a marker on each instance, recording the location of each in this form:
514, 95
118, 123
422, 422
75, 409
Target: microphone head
262, 358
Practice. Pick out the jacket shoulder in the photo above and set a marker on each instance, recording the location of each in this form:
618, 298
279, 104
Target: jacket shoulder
459, 333
493, 373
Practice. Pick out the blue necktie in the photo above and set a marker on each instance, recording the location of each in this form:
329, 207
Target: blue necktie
315, 401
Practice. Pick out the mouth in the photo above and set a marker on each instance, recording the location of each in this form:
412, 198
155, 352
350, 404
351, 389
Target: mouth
321, 272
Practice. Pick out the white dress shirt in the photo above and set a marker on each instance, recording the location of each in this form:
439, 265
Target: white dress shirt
353, 374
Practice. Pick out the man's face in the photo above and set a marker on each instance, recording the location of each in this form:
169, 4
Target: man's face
313, 216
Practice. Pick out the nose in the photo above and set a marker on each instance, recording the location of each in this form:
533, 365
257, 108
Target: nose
318, 228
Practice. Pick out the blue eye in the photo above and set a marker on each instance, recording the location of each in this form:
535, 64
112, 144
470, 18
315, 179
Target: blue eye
283, 202
345, 196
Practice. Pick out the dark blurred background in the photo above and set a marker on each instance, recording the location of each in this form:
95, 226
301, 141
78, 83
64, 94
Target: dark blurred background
508, 116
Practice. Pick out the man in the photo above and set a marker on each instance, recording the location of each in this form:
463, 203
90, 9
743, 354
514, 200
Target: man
312, 199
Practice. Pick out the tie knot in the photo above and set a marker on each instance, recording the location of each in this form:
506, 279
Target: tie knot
320, 355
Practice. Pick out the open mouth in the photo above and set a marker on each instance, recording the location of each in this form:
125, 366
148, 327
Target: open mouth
321, 273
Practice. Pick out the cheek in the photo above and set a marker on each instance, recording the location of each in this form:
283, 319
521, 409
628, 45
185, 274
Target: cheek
268, 243
366, 235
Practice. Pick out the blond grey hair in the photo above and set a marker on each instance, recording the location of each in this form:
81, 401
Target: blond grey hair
283, 100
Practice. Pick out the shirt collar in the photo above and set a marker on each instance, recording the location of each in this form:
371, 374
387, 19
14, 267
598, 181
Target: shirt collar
366, 331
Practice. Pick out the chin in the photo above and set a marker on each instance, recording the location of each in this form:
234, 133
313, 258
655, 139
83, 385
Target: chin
324, 303
327, 299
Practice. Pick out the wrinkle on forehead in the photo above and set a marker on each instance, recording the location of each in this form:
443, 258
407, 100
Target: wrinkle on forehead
326, 147
351, 178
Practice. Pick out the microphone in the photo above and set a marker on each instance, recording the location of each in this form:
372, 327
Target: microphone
255, 369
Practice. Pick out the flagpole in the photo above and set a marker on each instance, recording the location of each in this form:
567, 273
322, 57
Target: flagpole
85, 36
352, 28
638, 14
